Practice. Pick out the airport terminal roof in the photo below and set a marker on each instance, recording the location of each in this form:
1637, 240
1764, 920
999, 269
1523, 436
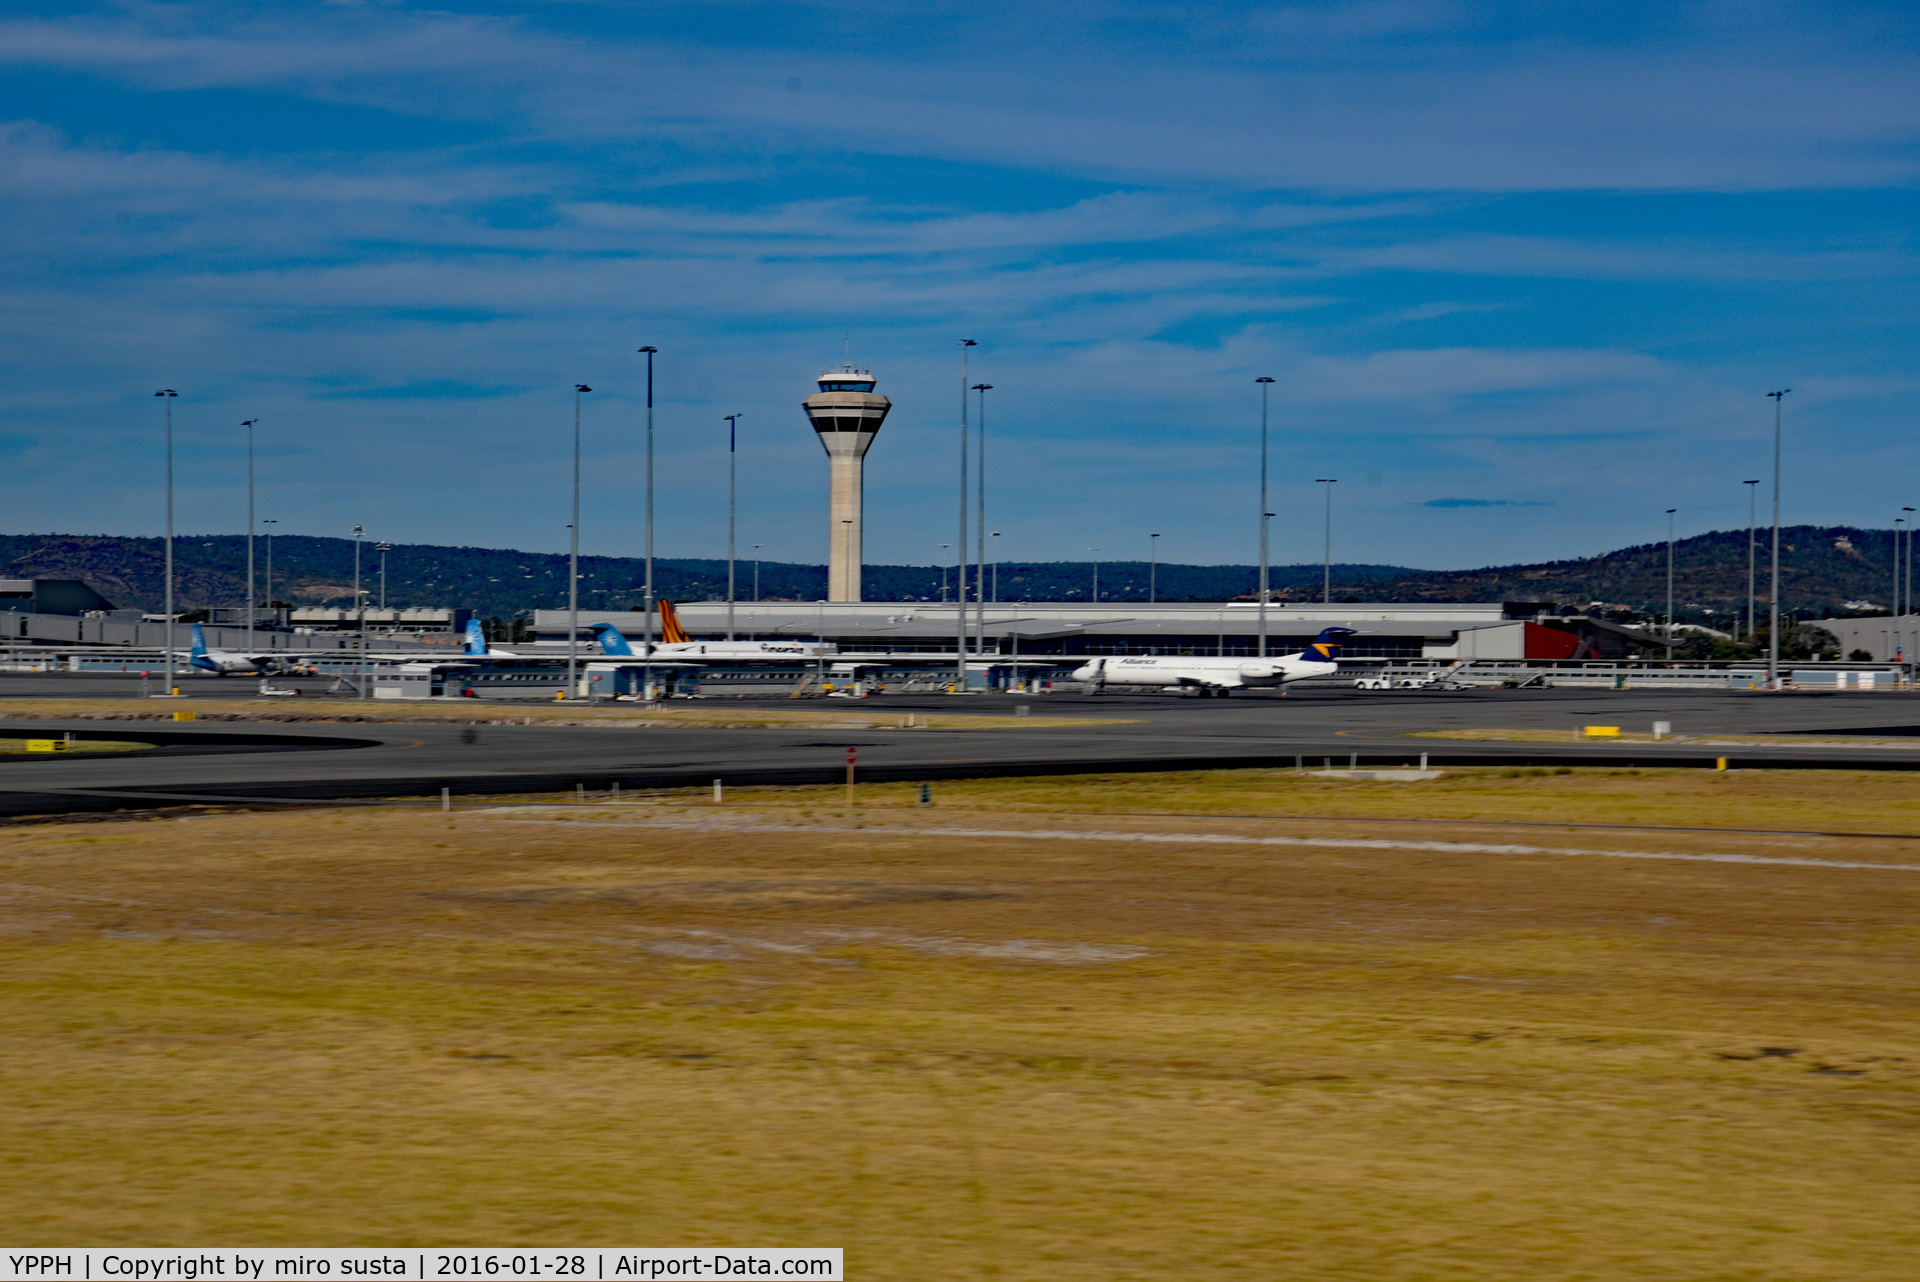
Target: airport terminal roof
885, 620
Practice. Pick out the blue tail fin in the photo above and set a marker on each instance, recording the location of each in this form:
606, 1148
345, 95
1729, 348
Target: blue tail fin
199, 644
611, 639
1325, 648
476, 638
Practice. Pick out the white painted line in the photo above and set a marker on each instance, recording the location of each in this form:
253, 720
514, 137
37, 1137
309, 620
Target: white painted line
1190, 838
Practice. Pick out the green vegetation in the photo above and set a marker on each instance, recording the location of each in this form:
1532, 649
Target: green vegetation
1823, 568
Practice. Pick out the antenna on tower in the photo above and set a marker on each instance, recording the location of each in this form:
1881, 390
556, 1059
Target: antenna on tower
846, 352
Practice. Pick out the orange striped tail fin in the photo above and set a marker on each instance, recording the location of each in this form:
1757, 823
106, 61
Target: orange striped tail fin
670, 630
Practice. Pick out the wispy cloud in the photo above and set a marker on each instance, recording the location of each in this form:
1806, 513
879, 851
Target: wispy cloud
1485, 503
1137, 209
1467, 114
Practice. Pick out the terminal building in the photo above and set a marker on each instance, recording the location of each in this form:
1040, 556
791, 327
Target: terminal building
929, 632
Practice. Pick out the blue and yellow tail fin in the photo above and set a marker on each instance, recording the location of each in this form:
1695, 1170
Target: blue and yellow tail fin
612, 640
476, 637
1325, 648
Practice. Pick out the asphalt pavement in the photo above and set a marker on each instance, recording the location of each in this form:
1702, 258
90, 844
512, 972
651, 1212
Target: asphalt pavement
1310, 726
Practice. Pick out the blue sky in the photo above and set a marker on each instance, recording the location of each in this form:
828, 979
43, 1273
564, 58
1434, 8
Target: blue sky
1522, 272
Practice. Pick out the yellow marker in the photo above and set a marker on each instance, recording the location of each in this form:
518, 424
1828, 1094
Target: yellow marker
46, 745
1719, 763
183, 716
1600, 732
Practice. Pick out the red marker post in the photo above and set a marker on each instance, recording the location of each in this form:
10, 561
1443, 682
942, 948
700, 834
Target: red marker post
850, 757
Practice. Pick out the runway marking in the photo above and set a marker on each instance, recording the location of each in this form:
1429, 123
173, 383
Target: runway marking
1222, 839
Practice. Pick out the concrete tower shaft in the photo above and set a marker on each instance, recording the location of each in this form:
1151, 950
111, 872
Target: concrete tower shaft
847, 414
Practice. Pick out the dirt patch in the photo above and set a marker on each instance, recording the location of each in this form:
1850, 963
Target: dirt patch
740, 894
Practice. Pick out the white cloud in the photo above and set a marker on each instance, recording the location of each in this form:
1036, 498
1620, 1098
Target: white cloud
1803, 102
651, 195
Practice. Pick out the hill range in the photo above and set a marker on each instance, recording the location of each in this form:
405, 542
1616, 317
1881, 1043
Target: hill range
1824, 570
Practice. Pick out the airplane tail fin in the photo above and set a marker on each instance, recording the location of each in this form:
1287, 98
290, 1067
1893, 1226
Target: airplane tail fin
1325, 648
199, 643
670, 630
476, 637
611, 639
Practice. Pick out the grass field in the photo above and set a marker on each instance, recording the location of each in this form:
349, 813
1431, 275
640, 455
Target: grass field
1086, 1028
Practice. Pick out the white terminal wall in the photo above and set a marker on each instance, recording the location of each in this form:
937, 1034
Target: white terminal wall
1443, 628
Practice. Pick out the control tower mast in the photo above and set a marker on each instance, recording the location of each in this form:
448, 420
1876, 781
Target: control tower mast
847, 414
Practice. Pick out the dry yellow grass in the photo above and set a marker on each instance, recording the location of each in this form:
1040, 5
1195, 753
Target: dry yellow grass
1822, 800
711, 714
964, 1055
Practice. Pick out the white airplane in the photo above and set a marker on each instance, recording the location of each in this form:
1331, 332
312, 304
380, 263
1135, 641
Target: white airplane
222, 662
675, 644
477, 647
1216, 676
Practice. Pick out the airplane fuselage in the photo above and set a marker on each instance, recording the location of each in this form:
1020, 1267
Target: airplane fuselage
746, 649
221, 663
1201, 671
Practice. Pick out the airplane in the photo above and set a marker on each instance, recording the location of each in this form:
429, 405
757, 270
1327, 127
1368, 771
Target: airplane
675, 644
1215, 677
222, 662
477, 647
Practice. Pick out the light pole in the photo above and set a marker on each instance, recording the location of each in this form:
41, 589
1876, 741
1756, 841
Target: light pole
1907, 567
167, 395
573, 557
646, 601
944, 549
756, 572
1905, 570
1153, 566
360, 604
248, 424
1326, 571
849, 533
996, 567
1670, 512
1752, 492
733, 477
1264, 383
1898, 521
270, 609
980, 531
1773, 596
1096, 574
960, 586
383, 548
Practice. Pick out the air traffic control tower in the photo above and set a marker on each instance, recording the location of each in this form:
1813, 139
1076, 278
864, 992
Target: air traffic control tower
847, 413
